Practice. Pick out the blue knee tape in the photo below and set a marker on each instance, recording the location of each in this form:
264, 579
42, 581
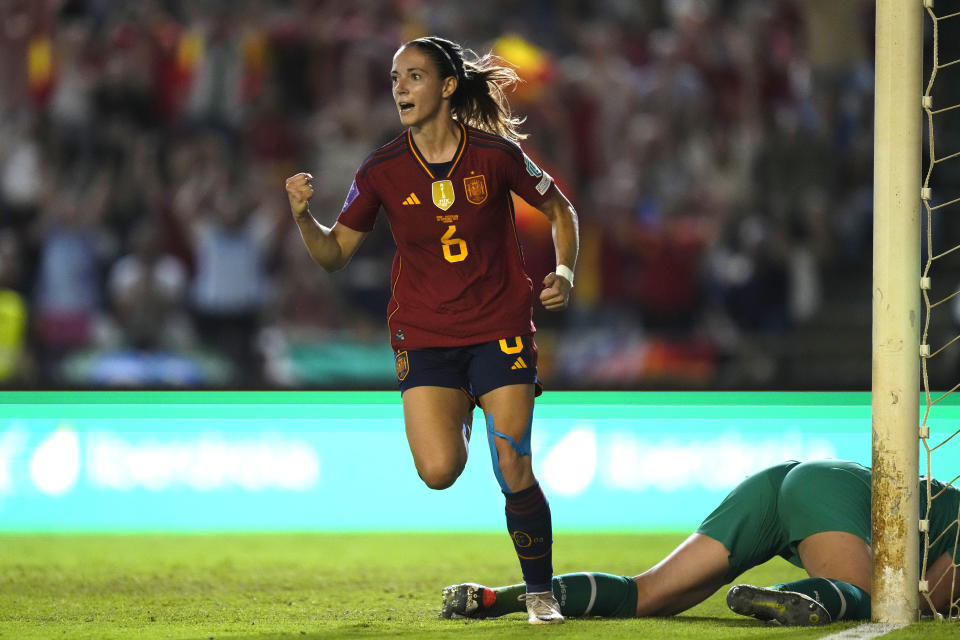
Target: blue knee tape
522, 448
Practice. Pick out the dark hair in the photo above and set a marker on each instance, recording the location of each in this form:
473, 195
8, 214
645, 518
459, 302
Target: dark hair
480, 99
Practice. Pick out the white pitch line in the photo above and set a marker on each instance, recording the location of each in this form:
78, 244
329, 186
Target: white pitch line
865, 631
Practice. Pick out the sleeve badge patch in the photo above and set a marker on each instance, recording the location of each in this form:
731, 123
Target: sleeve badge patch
351, 196
532, 169
544, 184
476, 189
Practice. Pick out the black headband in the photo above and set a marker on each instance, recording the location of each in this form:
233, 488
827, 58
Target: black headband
446, 55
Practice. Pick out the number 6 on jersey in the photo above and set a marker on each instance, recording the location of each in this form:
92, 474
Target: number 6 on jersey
449, 241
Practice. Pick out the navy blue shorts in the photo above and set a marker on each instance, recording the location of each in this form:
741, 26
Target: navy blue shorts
476, 369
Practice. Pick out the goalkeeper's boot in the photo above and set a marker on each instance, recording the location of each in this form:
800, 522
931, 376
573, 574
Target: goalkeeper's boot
467, 600
542, 608
789, 608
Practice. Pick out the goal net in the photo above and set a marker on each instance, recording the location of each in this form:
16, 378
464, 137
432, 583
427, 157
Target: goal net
940, 289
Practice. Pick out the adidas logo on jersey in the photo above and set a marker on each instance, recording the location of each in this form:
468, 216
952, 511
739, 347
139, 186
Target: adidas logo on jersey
519, 364
411, 199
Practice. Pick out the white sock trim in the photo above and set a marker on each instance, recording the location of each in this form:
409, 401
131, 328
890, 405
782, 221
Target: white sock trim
843, 601
593, 594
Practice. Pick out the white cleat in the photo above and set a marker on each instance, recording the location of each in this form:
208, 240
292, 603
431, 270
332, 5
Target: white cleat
542, 608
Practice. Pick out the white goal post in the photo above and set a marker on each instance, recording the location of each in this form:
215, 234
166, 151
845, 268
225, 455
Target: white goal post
896, 308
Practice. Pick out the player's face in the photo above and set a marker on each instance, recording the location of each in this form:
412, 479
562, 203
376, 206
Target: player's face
418, 90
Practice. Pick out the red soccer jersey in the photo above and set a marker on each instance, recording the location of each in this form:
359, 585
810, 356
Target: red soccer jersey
458, 275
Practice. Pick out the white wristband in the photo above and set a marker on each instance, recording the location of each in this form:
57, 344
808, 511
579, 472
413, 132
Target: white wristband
565, 272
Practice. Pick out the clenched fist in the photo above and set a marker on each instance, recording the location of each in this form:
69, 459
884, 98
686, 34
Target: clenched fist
556, 292
299, 192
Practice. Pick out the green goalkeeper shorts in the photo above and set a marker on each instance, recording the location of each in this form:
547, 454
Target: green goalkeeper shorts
772, 511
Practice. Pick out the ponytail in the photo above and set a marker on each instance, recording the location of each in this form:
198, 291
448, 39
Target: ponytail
480, 99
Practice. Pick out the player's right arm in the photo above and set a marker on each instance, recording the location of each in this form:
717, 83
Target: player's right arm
330, 247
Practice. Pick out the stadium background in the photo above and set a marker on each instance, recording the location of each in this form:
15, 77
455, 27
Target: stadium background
719, 155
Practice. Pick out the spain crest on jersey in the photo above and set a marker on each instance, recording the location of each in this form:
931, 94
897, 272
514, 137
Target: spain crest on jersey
443, 195
403, 365
475, 188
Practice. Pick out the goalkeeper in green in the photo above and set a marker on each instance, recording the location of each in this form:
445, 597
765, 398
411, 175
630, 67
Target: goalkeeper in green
814, 514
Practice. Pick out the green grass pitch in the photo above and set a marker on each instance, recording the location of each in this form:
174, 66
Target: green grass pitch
311, 586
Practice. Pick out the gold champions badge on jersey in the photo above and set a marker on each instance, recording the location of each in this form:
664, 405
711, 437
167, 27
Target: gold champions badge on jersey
443, 194
476, 189
403, 365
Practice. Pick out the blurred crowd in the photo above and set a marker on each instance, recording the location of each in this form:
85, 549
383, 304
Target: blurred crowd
719, 154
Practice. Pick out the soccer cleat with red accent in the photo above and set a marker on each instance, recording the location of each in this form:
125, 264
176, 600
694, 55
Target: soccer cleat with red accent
467, 600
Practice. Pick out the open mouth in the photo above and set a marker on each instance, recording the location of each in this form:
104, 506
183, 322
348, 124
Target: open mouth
405, 106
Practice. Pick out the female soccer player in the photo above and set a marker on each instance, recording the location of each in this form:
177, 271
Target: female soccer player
814, 514
460, 314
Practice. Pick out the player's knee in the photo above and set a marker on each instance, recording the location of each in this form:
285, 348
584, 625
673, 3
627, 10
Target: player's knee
504, 471
508, 460
510, 457
439, 476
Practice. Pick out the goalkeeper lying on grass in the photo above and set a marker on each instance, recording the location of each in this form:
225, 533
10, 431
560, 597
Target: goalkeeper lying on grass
814, 514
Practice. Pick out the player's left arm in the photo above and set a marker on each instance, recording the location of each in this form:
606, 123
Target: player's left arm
566, 242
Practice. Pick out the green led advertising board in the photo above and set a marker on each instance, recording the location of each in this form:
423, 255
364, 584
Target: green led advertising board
318, 461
